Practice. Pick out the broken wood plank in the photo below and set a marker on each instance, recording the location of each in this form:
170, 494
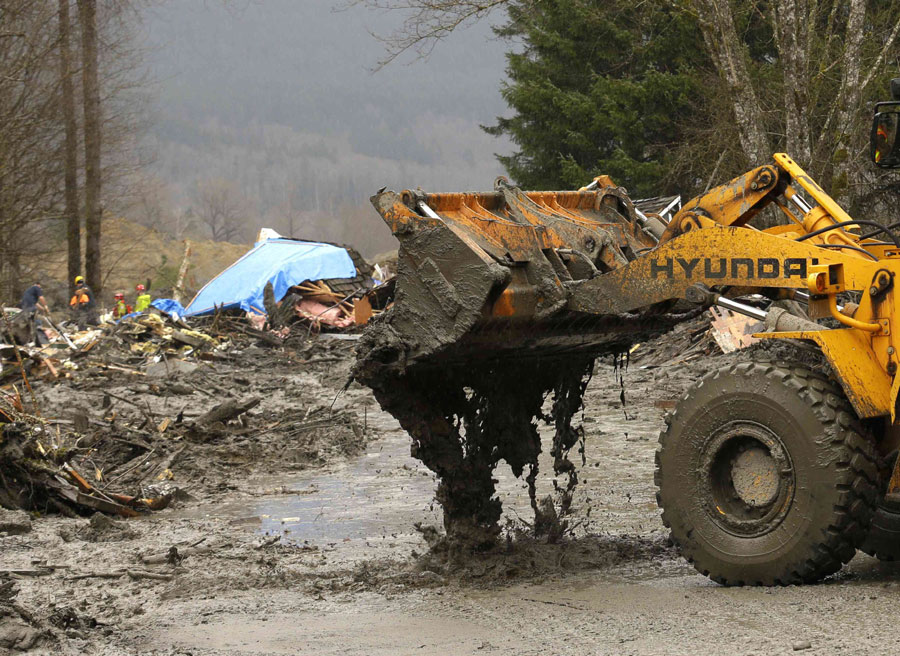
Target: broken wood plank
136, 574
42, 571
191, 340
73, 494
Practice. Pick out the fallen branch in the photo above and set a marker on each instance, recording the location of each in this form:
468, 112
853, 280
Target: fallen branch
43, 571
135, 574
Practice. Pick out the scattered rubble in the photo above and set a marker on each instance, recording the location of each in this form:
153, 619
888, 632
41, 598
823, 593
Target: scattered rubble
102, 426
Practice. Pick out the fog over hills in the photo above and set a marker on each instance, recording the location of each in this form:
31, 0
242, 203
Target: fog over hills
279, 97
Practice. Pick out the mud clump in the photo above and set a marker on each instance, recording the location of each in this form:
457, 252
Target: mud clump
100, 528
463, 420
20, 630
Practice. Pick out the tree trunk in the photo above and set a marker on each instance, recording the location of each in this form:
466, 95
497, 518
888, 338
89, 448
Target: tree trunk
727, 52
72, 217
87, 13
791, 24
848, 100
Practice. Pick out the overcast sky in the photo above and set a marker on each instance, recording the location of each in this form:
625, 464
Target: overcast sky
307, 66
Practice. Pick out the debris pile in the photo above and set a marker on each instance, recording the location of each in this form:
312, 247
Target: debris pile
711, 333
105, 424
283, 281
317, 306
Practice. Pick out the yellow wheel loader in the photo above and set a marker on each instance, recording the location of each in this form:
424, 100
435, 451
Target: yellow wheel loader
769, 471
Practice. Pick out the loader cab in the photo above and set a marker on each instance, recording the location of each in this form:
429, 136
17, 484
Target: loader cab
884, 140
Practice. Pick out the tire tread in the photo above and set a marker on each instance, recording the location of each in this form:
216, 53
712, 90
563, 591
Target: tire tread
857, 469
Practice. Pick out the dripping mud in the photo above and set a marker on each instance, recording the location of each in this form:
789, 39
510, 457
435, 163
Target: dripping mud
464, 421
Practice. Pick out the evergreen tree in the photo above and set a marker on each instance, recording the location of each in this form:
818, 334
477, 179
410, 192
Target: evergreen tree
599, 86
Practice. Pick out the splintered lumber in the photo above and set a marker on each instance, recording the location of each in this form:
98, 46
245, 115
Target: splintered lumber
137, 574
190, 340
266, 337
182, 271
319, 291
41, 571
732, 331
227, 411
134, 574
73, 494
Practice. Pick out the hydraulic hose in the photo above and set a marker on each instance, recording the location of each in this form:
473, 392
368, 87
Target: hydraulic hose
850, 248
891, 226
842, 224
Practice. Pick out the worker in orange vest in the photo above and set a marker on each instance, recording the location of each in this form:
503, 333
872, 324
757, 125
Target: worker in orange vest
83, 305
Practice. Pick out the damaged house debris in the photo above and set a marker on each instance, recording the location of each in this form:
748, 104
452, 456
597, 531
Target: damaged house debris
79, 463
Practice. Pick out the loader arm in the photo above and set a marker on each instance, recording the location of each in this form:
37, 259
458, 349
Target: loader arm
708, 246
862, 352
738, 201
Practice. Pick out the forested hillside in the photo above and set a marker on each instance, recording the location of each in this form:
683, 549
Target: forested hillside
275, 106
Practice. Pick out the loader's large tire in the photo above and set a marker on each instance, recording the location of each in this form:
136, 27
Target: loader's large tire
883, 537
765, 476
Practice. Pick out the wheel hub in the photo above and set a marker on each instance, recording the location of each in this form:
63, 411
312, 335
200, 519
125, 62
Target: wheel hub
749, 480
755, 476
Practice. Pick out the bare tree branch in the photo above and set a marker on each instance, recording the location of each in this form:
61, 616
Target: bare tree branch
426, 22
221, 207
879, 60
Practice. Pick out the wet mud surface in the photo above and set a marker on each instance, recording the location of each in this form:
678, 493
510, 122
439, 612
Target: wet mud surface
335, 556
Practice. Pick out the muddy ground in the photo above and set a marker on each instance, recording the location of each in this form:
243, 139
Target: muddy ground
318, 543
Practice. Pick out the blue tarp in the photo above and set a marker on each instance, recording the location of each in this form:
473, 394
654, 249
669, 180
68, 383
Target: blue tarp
284, 262
170, 306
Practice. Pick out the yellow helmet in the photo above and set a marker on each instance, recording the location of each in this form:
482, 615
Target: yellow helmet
79, 279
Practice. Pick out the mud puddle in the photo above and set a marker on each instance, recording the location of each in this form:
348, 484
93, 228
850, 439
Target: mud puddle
384, 491
366, 507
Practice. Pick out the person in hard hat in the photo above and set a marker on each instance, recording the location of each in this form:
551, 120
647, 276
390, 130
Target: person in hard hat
142, 302
83, 305
122, 308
